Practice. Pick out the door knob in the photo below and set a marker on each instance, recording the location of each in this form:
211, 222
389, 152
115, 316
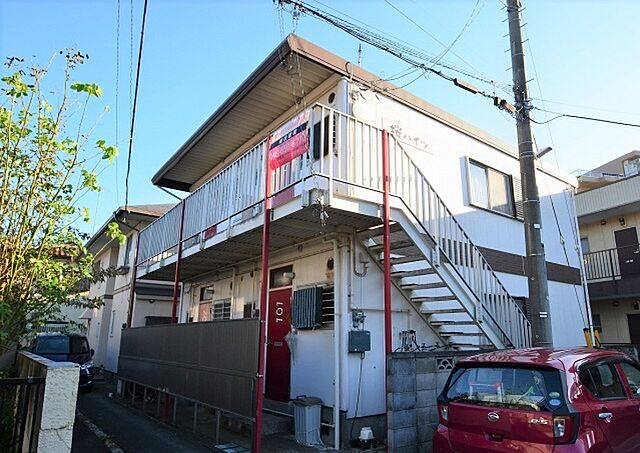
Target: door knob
606, 416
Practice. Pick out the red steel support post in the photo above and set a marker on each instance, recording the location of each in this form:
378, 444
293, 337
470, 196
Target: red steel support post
176, 280
387, 246
386, 232
176, 293
132, 284
264, 292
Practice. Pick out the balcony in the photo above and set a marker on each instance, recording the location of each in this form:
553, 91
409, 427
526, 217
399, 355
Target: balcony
226, 211
619, 197
613, 272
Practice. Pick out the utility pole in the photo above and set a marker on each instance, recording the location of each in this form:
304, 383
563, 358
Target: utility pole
536, 265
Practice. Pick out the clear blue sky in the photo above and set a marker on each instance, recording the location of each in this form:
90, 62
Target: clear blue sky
197, 52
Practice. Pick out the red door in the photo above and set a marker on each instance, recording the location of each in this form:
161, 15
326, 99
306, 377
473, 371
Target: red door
278, 372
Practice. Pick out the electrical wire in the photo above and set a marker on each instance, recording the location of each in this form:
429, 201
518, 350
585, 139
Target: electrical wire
135, 102
383, 41
580, 117
355, 414
405, 53
117, 105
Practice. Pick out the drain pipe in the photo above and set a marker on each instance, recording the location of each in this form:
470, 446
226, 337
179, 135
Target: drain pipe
337, 328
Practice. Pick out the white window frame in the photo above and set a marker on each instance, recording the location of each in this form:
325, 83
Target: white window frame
469, 162
224, 305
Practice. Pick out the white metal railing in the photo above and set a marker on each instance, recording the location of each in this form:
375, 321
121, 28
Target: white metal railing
360, 163
343, 148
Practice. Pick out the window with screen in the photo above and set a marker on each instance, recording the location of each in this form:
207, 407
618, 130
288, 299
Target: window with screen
221, 309
491, 189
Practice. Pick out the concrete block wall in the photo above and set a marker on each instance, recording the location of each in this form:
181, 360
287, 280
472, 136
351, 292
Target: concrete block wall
58, 405
414, 381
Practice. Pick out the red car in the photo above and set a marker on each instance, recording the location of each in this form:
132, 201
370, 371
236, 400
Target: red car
541, 400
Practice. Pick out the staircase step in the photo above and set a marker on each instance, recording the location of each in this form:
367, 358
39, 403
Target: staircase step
418, 286
413, 273
444, 298
394, 245
379, 230
439, 323
405, 259
461, 334
443, 311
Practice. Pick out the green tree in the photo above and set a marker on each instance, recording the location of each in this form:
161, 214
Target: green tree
48, 162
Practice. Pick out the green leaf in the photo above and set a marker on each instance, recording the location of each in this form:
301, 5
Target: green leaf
114, 232
108, 152
92, 89
85, 213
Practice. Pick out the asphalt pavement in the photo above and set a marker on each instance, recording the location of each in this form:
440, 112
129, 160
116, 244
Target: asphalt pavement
121, 427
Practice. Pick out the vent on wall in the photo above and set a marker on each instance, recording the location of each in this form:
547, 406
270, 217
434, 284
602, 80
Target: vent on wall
306, 308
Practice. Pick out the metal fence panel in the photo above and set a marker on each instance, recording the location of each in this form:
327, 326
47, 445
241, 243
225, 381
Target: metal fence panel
215, 362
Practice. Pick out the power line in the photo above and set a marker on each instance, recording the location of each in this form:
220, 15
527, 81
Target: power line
117, 97
135, 102
580, 117
403, 52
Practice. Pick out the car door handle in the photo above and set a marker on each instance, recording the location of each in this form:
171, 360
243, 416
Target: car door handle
605, 415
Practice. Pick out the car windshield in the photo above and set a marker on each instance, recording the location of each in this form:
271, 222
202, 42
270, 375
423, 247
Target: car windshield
61, 344
510, 387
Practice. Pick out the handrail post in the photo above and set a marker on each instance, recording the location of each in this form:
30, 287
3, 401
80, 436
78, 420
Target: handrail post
264, 292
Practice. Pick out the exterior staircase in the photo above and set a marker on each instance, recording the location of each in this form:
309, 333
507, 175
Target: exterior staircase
439, 271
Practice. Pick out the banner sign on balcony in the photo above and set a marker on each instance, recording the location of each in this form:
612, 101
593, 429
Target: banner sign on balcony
290, 141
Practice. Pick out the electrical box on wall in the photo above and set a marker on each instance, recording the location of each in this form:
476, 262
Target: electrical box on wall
359, 341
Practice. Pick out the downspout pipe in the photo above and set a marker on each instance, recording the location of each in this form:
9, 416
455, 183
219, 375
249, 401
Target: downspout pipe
337, 329
176, 280
132, 284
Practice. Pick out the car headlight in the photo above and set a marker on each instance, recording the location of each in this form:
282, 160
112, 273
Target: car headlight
86, 365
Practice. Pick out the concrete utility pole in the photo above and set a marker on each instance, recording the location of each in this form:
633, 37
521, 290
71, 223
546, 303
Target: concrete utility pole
536, 265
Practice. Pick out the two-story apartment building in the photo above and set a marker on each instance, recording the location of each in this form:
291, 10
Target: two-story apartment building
317, 125
152, 299
608, 206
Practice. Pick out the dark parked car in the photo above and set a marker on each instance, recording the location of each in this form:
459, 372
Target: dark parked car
74, 348
542, 400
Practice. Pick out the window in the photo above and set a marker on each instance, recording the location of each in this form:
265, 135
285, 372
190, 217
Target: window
490, 189
281, 277
632, 372
584, 245
328, 298
221, 309
206, 293
603, 381
127, 250
520, 388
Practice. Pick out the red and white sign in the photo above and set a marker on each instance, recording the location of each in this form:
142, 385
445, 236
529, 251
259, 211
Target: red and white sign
290, 141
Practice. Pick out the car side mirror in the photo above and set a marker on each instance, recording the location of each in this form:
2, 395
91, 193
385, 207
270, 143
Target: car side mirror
92, 352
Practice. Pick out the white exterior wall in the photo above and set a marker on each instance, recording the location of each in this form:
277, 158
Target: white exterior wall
441, 153
312, 364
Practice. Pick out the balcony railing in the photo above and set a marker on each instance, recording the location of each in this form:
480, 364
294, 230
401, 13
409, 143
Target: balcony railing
613, 263
342, 149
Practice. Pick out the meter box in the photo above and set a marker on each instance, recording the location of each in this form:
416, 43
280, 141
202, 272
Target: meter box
359, 341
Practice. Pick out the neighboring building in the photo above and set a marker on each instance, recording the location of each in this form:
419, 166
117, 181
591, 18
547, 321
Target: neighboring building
153, 299
608, 207
458, 247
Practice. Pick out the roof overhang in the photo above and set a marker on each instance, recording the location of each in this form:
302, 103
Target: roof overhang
294, 69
